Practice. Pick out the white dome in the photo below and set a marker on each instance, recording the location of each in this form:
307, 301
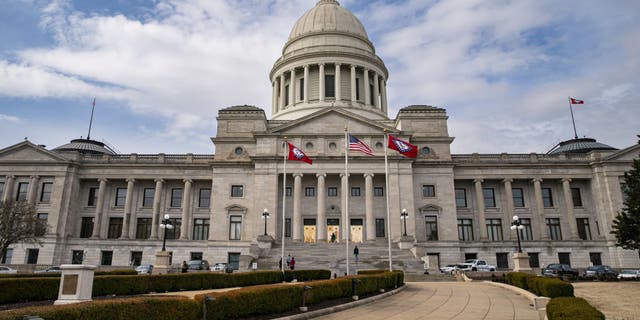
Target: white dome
328, 16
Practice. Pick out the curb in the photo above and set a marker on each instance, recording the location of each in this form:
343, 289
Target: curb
321, 312
539, 303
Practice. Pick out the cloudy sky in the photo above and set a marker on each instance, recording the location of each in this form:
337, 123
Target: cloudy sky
160, 69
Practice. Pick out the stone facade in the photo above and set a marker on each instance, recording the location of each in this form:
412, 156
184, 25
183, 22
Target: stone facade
105, 209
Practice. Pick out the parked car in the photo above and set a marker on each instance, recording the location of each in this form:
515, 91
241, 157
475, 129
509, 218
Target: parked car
220, 266
49, 269
144, 269
448, 268
7, 270
601, 271
198, 265
559, 269
629, 274
475, 265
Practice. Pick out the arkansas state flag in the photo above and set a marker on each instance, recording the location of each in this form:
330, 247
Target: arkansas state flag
406, 148
296, 154
576, 101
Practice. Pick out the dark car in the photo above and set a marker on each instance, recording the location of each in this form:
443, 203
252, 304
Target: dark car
559, 269
199, 265
601, 271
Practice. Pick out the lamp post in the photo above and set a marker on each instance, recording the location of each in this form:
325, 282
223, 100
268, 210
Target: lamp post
517, 226
165, 224
403, 215
265, 216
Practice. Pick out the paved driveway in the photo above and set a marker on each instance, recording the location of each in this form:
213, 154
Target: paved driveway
445, 300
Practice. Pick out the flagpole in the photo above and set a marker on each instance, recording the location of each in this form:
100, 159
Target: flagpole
284, 194
93, 106
346, 195
386, 179
573, 120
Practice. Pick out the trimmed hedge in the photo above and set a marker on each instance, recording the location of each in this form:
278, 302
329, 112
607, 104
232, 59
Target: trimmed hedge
28, 289
57, 274
541, 286
306, 275
569, 308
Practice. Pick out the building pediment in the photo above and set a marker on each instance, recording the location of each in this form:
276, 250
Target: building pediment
333, 121
627, 154
26, 151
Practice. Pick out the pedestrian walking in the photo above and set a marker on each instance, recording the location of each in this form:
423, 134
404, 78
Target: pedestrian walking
185, 267
333, 237
356, 252
280, 264
288, 260
292, 263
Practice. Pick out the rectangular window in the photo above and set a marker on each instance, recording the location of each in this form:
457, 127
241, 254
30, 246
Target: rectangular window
196, 255
371, 97
431, 227
233, 260
301, 89
332, 192
553, 228
115, 228
378, 191
595, 258
494, 229
428, 190
461, 198
1, 189
624, 189
201, 229
44, 217
235, 227
174, 233
518, 197
287, 227
547, 198
489, 197
502, 260
237, 191
86, 228
380, 228
470, 256
286, 95
77, 256
8, 256
577, 198
93, 197
143, 228
23, 189
288, 191
106, 258
355, 191
329, 86
176, 197
136, 258
465, 230
148, 195
32, 256
583, 228
564, 258
357, 89
45, 194
121, 196
526, 233
309, 192
534, 261
204, 198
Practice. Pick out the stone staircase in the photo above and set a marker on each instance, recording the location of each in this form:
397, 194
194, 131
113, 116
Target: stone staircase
331, 256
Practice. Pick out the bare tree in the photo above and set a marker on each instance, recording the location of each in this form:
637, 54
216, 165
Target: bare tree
19, 222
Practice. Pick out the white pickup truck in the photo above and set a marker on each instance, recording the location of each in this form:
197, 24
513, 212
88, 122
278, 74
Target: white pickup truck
475, 265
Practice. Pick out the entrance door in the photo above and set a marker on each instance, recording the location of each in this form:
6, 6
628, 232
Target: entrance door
355, 234
309, 230
333, 228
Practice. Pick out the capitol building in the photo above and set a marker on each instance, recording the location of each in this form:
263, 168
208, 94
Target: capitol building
104, 208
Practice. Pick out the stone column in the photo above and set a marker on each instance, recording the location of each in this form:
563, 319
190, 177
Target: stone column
97, 223
482, 221
292, 88
571, 215
281, 102
32, 194
321, 232
368, 211
7, 196
306, 84
274, 97
338, 87
297, 207
376, 91
508, 208
384, 96
367, 98
344, 206
321, 81
353, 83
155, 219
186, 210
128, 215
537, 190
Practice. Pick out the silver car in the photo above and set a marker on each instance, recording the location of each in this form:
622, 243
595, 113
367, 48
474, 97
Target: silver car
7, 270
629, 274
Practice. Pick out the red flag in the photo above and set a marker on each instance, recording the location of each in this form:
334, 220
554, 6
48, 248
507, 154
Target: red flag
406, 148
296, 154
576, 101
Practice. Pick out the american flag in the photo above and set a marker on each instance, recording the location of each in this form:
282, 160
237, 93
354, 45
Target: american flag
356, 145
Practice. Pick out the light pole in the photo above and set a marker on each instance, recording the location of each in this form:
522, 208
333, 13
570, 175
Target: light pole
265, 216
403, 215
165, 224
517, 226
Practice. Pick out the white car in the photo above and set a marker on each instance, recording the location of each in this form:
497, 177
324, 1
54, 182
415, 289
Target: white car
220, 266
448, 268
629, 274
7, 270
475, 265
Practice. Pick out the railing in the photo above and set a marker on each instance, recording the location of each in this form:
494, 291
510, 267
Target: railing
530, 157
148, 158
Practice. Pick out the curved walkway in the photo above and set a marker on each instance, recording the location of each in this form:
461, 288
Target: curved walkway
445, 300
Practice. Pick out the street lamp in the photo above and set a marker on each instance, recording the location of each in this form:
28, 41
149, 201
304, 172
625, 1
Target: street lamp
265, 216
517, 226
403, 215
165, 224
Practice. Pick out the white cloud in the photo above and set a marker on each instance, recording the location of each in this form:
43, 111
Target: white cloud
8, 117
